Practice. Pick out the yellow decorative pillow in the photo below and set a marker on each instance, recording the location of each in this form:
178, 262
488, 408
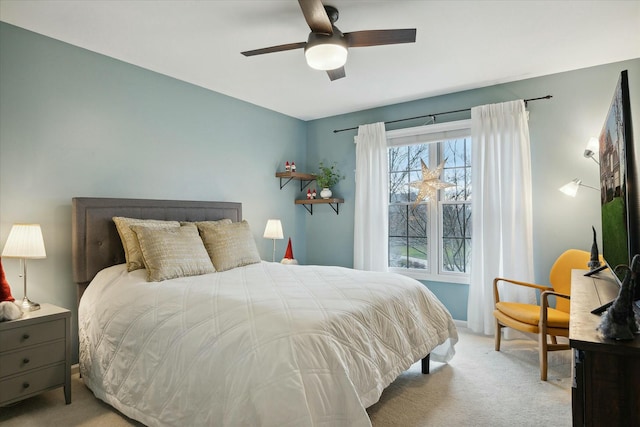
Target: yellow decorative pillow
132, 253
172, 252
229, 245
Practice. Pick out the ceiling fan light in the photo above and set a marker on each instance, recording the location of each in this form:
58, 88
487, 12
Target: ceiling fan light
326, 56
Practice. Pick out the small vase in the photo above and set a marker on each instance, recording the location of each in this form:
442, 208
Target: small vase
326, 193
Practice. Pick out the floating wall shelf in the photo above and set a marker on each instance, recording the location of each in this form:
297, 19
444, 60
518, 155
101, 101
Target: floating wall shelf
308, 204
304, 178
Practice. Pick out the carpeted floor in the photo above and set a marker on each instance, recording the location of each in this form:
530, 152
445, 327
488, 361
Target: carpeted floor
479, 387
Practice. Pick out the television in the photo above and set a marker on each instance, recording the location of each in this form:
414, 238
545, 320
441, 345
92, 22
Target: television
619, 184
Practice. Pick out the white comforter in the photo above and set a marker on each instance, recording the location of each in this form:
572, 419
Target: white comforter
262, 345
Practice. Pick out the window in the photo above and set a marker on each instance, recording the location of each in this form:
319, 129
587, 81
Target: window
430, 239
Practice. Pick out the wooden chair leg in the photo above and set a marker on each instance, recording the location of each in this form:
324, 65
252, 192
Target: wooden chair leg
543, 356
498, 335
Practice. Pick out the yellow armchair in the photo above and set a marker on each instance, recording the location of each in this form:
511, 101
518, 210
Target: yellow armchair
541, 319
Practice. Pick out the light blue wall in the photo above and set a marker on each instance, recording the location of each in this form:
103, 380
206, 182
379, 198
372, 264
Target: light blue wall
74, 123
559, 130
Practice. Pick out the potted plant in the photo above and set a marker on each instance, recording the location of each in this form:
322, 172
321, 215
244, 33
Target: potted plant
327, 177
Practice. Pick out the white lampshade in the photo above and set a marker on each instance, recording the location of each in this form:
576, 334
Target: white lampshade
326, 56
571, 189
25, 241
273, 230
593, 147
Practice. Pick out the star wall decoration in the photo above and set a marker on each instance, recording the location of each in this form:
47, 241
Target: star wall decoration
430, 183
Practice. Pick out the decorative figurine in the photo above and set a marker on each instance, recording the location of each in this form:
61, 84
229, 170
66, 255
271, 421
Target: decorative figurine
293, 166
288, 255
313, 193
594, 262
308, 194
619, 321
9, 310
287, 167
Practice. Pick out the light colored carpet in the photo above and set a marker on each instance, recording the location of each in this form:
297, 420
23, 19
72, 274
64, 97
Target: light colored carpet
479, 387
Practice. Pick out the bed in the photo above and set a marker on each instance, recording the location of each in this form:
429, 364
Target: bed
260, 344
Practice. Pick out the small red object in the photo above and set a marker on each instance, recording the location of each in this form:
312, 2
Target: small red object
287, 167
309, 194
293, 166
5, 290
289, 252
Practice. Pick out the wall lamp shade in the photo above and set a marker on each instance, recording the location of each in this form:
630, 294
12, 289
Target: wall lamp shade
326, 52
593, 147
571, 189
273, 230
25, 242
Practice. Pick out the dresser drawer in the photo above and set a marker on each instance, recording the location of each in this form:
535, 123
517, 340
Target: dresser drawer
36, 333
22, 360
31, 382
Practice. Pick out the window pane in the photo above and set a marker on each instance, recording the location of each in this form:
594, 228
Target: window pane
417, 152
457, 177
398, 187
456, 255
408, 236
398, 159
418, 220
457, 152
398, 220
397, 252
456, 219
457, 170
413, 191
417, 257
456, 231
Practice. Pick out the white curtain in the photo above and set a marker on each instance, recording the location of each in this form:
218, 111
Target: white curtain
371, 224
501, 209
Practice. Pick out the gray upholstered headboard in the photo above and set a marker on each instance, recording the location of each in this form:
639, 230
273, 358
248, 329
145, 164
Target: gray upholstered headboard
95, 240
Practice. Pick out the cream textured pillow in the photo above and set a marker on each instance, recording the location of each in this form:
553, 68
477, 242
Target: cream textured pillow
132, 253
172, 252
229, 245
202, 224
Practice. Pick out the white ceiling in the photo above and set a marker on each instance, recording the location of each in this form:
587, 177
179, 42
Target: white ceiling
460, 44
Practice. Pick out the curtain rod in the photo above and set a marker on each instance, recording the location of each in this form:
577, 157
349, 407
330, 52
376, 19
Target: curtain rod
434, 115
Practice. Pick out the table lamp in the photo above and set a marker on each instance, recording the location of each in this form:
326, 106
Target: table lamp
273, 230
25, 242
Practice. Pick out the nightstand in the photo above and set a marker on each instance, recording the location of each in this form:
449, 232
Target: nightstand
35, 354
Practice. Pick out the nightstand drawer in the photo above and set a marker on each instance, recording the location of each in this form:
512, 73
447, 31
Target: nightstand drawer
32, 382
37, 333
31, 358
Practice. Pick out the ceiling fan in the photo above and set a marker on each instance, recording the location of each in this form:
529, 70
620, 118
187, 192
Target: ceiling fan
326, 47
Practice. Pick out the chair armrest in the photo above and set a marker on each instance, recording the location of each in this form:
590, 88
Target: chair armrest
545, 296
544, 304
496, 297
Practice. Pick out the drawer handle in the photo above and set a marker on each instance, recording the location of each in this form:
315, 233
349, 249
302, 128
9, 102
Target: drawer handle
25, 360
25, 336
25, 385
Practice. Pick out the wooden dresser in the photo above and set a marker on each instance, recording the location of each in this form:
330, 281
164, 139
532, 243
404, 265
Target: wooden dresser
606, 373
35, 354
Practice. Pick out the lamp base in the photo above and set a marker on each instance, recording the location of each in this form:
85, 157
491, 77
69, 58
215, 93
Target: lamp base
28, 305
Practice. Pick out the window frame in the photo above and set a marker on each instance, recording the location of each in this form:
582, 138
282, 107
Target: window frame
430, 134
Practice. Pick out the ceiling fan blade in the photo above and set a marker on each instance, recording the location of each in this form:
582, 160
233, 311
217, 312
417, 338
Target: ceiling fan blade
380, 37
316, 16
336, 74
273, 49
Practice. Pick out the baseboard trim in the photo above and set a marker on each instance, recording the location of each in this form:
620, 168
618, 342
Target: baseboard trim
460, 323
